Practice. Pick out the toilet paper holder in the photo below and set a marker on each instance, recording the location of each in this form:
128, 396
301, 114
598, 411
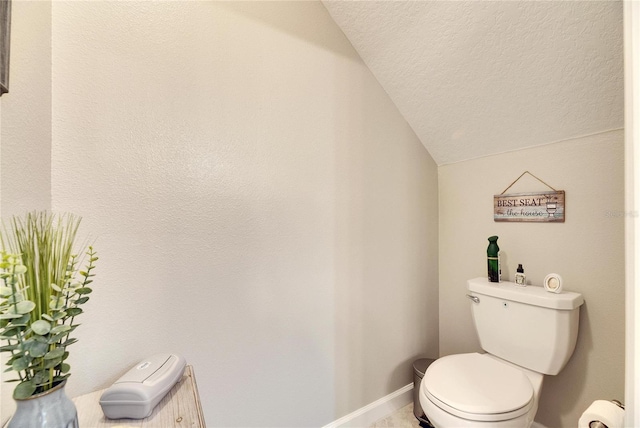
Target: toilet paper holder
617, 403
598, 424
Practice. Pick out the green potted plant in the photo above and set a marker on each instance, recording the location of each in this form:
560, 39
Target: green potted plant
43, 284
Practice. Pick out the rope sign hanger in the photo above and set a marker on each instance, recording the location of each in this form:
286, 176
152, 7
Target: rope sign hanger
522, 175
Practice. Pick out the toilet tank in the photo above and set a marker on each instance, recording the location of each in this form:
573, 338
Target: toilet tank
527, 326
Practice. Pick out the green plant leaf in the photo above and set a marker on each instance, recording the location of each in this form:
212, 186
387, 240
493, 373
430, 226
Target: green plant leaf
60, 329
25, 307
22, 321
38, 349
9, 347
5, 291
24, 390
15, 356
41, 339
20, 364
40, 377
56, 304
47, 317
54, 354
64, 368
61, 378
49, 364
72, 312
84, 290
57, 338
68, 342
56, 287
9, 316
41, 327
10, 333
16, 298
82, 300
59, 315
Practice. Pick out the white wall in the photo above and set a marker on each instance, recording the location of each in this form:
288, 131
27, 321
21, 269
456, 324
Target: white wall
587, 250
259, 205
26, 114
25, 131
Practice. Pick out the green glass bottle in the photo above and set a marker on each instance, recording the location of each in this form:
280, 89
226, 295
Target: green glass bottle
493, 262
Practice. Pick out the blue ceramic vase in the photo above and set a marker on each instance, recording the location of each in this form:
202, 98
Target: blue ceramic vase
49, 409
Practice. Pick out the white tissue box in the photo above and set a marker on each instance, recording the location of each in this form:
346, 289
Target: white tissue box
138, 391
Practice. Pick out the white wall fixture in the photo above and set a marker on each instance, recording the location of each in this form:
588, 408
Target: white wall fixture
553, 283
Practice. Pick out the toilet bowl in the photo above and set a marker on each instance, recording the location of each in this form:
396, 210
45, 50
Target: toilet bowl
479, 390
527, 333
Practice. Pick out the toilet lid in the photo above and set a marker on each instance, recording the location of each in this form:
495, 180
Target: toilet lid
476, 386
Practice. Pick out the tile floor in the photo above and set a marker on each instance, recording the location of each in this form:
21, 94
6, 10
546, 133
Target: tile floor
402, 418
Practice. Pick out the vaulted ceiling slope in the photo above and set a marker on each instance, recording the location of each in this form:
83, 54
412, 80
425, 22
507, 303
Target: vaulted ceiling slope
475, 78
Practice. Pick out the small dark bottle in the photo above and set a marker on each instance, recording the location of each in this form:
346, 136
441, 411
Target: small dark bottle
521, 279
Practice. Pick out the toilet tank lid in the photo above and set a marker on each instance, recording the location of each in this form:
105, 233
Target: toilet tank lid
532, 295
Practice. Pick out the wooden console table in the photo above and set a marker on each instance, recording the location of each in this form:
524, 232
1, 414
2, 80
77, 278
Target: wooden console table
179, 408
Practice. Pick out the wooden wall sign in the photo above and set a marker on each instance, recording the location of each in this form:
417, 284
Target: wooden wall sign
540, 207
5, 32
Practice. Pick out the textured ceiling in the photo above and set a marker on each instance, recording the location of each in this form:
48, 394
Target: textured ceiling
475, 78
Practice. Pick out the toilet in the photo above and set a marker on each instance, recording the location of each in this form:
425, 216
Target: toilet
527, 332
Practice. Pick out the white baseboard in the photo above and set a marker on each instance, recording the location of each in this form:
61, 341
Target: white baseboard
367, 415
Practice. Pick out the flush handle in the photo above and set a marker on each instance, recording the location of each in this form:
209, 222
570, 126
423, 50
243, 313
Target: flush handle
474, 298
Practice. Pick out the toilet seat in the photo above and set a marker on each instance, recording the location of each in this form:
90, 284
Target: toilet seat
478, 387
